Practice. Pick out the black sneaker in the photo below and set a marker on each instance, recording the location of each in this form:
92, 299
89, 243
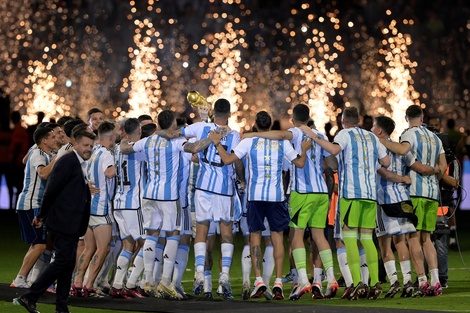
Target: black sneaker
365, 293
341, 281
374, 292
358, 292
347, 292
208, 296
408, 290
394, 289
29, 305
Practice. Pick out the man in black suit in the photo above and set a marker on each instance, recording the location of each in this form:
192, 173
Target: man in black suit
65, 209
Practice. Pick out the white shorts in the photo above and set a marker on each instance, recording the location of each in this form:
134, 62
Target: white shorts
130, 223
390, 226
161, 215
186, 221
245, 231
214, 228
213, 207
96, 221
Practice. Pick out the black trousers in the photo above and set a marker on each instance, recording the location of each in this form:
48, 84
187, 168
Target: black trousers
60, 270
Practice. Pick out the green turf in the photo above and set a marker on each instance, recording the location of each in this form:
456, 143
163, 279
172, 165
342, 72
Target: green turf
456, 298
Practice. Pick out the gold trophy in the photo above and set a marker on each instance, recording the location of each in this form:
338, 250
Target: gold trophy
200, 103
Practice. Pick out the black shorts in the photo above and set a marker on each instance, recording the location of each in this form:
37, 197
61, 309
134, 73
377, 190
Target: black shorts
29, 233
276, 213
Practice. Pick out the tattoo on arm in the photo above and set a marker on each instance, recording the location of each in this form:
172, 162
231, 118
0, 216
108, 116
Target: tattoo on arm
197, 146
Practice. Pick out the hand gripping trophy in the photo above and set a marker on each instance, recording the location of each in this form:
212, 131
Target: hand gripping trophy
200, 103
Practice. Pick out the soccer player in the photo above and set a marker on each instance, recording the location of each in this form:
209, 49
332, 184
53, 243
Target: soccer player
127, 211
37, 170
265, 193
101, 170
308, 203
395, 216
213, 195
360, 152
160, 204
427, 148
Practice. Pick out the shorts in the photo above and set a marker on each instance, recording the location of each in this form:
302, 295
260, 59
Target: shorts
308, 209
213, 207
390, 226
130, 223
245, 230
96, 221
161, 215
186, 221
214, 228
358, 213
426, 211
30, 234
276, 214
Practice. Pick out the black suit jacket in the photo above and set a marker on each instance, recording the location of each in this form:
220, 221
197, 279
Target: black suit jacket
66, 202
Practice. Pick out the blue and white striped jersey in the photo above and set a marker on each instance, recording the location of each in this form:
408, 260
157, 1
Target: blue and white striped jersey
358, 163
308, 179
100, 160
33, 186
426, 147
213, 175
163, 162
130, 179
390, 192
265, 163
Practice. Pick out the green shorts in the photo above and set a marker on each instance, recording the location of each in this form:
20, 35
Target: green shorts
358, 213
426, 211
308, 209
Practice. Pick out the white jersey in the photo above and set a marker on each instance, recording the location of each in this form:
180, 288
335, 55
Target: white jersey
163, 162
33, 186
426, 147
213, 175
308, 179
265, 163
390, 192
358, 163
130, 170
100, 160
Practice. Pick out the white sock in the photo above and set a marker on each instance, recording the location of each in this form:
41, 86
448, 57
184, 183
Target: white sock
121, 268
406, 271
169, 258
391, 271
434, 276
200, 256
317, 275
207, 281
137, 269
227, 254
158, 266
43, 260
364, 267
149, 248
180, 264
246, 264
268, 264
343, 266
